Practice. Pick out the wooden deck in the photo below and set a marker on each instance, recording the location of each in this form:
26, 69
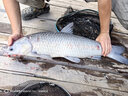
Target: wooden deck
91, 78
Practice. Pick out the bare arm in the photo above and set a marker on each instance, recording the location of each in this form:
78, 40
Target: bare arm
13, 12
105, 14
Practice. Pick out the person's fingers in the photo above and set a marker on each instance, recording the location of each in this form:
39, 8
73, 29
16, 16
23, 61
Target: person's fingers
8, 55
103, 49
10, 41
109, 47
102, 45
13, 38
105, 42
106, 49
14, 55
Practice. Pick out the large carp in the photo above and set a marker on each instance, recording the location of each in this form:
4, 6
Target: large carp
69, 46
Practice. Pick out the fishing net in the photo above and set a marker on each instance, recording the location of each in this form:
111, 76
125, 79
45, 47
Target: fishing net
86, 22
38, 88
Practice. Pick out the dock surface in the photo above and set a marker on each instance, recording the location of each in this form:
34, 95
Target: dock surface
90, 78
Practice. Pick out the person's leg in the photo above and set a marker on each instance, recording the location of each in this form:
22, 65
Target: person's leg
120, 8
37, 7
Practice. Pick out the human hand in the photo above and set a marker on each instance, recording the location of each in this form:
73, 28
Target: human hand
13, 38
105, 41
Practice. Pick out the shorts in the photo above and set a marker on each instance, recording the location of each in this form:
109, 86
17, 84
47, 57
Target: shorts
120, 8
33, 3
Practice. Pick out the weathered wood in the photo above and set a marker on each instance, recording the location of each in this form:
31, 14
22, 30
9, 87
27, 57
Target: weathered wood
90, 77
101, 74
57, 9
81, 90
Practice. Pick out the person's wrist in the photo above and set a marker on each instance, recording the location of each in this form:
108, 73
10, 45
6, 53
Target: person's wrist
104, 32
17, 33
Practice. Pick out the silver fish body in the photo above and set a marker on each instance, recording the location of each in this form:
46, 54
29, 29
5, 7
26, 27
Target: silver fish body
69, 46
63, 44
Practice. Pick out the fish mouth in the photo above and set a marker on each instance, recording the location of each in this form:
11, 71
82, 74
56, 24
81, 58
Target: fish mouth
4, 47
4, 50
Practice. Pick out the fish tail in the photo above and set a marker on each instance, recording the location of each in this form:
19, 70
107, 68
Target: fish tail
116, 54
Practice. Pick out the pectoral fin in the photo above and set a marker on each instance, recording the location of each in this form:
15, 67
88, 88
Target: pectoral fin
96, 57
43, 56
73, 59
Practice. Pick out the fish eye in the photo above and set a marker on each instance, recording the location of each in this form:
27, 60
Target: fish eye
11, 49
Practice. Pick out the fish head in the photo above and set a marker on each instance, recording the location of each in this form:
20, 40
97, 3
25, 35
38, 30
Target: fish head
19, 47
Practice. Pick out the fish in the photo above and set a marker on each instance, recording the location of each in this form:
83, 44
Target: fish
62, 44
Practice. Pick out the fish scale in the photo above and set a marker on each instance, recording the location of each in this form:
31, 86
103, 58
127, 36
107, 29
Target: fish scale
63, 44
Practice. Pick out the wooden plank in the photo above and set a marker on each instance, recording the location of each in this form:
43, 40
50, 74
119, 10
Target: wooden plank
76, 80
5, 28
57, 9
5, 31
74, 3
74, 89
72, 74
35, 23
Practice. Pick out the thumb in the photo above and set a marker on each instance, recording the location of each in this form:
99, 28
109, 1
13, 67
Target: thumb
97, 39
10, 41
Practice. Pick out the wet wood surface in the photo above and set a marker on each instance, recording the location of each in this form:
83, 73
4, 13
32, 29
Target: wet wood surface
89, 78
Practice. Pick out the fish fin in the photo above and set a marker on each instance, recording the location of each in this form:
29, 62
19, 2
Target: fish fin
68, 28
44, 56
96, 57
116, 54
73, 59
118, 49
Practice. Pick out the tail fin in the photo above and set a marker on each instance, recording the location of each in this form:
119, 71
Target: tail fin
116, 54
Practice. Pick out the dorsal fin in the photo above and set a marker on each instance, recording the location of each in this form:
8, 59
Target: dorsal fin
68, 28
